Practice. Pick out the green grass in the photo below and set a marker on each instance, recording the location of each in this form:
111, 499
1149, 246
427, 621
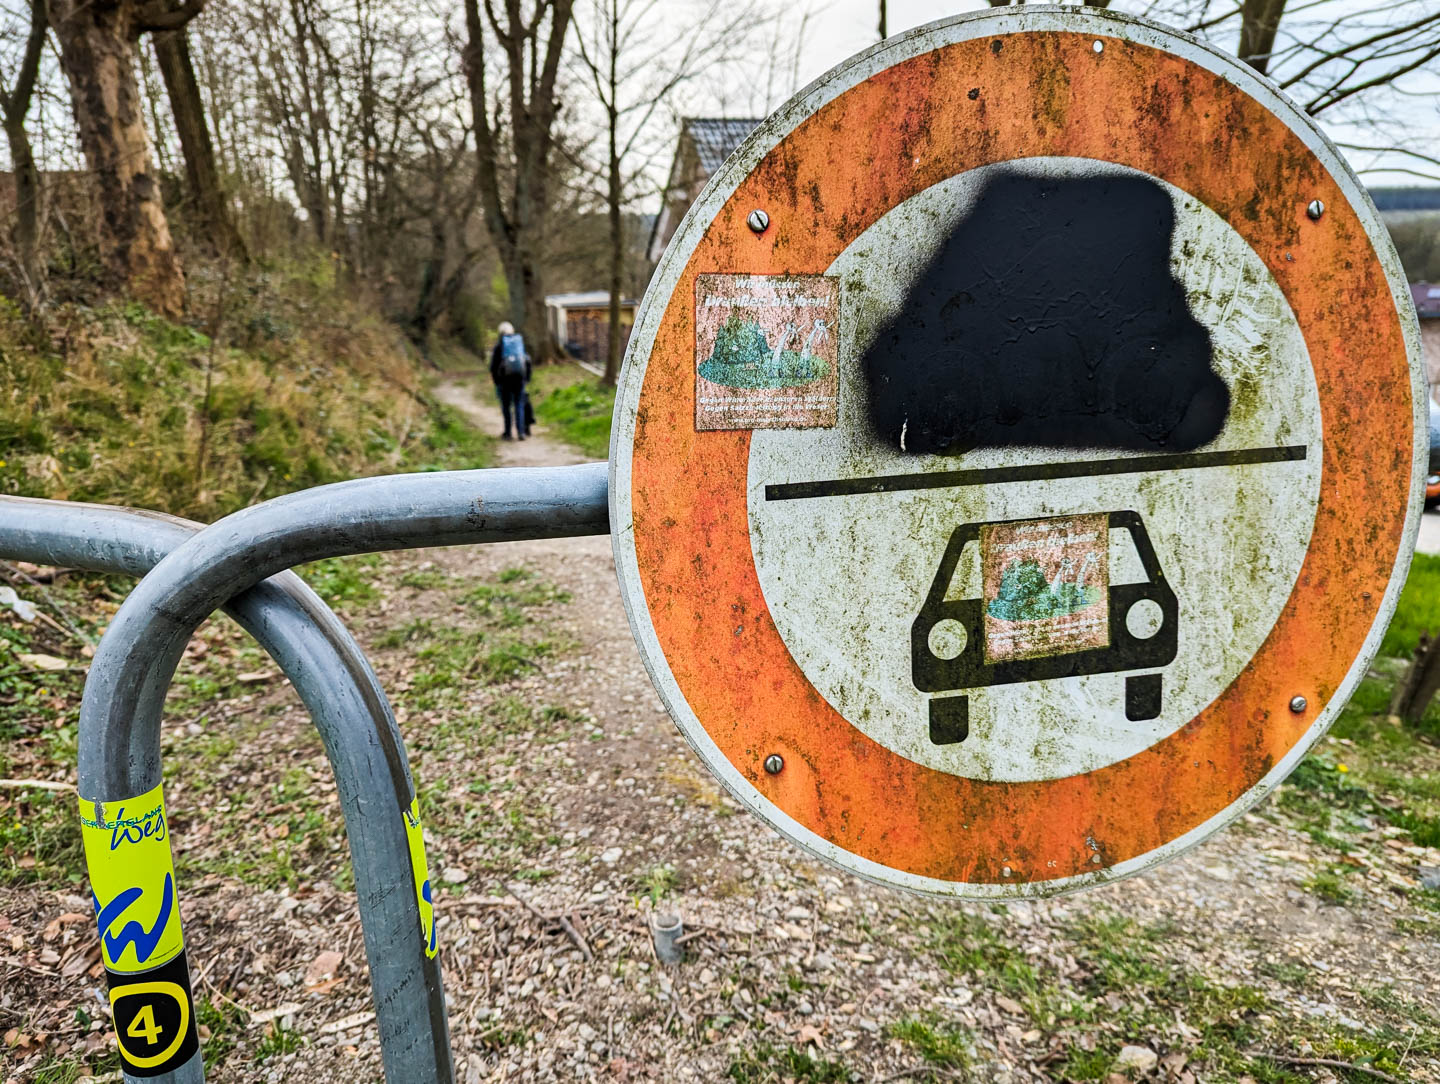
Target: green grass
40, 838
1082, 1064
1418, 609
424, 579
969, 945
502, 1038
280, 1040
767, 1064
344, 581
514, 591
936, 1040
226, 1023
1388, 773
1132, 986
71, 1071
1370, 769
504, 646
657, 883
1331, 885
449, 443
577, 411
300, 387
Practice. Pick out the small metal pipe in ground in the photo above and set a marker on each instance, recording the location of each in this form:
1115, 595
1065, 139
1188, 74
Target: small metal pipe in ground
350, 710
666, 930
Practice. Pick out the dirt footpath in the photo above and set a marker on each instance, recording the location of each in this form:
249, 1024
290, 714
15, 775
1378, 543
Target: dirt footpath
538, 450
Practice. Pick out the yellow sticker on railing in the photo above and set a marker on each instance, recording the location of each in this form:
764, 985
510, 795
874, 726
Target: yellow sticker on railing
132, 881
424, 894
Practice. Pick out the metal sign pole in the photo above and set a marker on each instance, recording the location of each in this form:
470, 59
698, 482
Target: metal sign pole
119, 773
350, 710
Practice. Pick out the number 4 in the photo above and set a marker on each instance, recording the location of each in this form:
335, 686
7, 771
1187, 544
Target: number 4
144, 1026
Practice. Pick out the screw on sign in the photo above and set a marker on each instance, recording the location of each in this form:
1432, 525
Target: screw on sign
1022, 501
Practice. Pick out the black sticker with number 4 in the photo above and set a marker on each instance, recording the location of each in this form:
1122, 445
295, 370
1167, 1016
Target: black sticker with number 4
154, 1018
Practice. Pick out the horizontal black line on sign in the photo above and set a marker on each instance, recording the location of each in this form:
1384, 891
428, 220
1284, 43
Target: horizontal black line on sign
1036, 472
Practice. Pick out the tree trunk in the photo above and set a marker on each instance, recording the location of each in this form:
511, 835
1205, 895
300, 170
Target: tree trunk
15, 104
1259, 23
172, 52
517, 229
526, 309
441, 283
309, 189
26, 232
1420, 682
617, 261
97, 50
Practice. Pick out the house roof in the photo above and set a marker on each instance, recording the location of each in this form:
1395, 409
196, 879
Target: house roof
716, 137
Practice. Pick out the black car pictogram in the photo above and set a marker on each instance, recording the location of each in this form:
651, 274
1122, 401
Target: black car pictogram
969, 668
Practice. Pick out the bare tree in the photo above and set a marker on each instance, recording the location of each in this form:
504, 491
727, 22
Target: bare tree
449, 193
1334, 57
97, 51
15, 105
1259, 23
1323, 52
634, 69
300, 98
531, 49
172, 53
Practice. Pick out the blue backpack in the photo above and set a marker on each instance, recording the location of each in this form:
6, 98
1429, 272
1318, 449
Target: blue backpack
512, 356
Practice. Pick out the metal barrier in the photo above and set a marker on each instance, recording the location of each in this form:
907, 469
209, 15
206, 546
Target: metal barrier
349, 707
119, 740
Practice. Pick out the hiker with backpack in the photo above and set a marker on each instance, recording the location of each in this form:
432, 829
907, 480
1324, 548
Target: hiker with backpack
510, 369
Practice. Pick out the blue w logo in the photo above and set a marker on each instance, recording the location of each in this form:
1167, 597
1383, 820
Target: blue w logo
133, 933
425, 895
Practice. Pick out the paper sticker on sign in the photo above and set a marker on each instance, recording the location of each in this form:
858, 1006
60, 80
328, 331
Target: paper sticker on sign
1046, 586
765, 352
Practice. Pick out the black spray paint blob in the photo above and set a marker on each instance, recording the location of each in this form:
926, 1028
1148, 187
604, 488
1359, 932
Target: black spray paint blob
1049, 317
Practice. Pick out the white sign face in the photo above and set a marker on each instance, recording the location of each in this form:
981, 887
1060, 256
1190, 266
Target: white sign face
845, 576
1019, 498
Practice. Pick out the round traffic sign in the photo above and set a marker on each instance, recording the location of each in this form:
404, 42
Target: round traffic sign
1016, 497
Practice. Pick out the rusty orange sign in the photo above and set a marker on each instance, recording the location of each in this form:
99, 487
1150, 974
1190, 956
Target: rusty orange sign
1018, 497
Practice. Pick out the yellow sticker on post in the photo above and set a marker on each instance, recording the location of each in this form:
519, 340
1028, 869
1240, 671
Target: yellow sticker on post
424, 894
132, 881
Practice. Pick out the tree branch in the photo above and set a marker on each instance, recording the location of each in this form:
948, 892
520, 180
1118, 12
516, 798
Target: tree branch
159, 15
1335, 96
17, 102
1350, 49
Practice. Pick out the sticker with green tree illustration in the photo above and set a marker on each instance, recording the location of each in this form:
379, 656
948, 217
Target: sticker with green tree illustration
766, 351
1047, 586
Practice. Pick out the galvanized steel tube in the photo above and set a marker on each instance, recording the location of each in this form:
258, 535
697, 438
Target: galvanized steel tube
349, 707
